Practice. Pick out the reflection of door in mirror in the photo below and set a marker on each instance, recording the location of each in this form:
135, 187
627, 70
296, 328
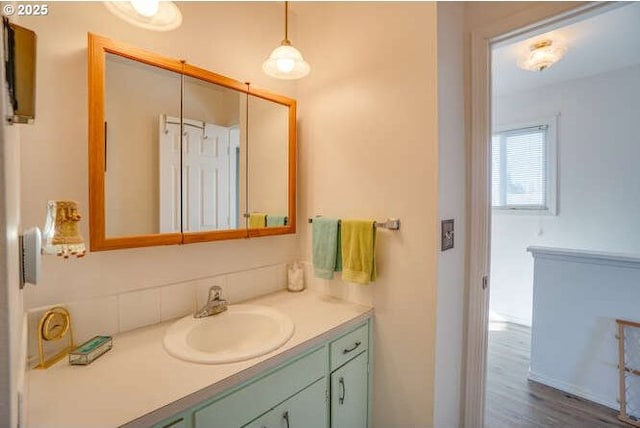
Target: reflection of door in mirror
212, 165
210, 181
268, 134
136, 95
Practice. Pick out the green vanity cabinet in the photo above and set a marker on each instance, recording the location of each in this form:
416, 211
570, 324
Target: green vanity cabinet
349, 394
350, 379
306, 409
180, 421
324, 387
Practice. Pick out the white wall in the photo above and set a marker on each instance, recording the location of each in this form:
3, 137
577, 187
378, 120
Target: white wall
578, 296
368, 148
226, 37
451, 200
11, 298
598, 149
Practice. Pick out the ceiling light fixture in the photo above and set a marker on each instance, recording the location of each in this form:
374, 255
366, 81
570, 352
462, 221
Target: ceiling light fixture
146, 8
148, 14
542, 55
285, 61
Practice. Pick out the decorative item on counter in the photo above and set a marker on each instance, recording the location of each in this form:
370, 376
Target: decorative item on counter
295, 277
90, 350
54, 325
61, 235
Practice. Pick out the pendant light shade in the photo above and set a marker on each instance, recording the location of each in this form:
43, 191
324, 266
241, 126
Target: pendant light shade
285, 61
148, 14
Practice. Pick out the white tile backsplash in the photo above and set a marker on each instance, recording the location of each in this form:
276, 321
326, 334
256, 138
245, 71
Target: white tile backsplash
270, 278
94, 317
177, 300
119, 313
139, 308
241, 286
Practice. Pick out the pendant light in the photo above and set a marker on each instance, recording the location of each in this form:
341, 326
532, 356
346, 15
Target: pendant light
285, 61
153, 15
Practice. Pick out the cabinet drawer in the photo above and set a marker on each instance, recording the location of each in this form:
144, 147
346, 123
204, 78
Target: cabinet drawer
241, 406
349, 345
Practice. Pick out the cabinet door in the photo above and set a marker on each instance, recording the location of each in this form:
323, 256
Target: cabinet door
349, 391
306, 409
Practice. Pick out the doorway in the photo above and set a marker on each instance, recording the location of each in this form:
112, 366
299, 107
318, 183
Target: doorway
547, 154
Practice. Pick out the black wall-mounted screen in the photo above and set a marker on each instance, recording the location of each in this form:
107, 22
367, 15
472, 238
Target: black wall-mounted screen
20, 71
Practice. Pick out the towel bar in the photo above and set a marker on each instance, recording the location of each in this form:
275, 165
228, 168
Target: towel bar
391, 223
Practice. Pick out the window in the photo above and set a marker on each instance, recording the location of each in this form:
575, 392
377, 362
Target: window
523, 167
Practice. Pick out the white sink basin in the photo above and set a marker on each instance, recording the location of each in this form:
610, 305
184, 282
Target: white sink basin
240, 333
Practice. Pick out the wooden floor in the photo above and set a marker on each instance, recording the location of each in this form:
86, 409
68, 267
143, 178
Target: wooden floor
513, 401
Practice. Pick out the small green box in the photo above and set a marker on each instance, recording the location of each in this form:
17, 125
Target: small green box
90, 350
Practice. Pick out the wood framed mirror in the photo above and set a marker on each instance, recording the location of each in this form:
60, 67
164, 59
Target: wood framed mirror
179, 154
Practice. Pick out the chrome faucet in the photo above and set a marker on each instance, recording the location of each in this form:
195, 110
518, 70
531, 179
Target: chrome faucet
215, 304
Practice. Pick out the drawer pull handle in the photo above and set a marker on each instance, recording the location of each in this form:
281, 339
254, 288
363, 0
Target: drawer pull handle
347, 350
285, 416
343, 391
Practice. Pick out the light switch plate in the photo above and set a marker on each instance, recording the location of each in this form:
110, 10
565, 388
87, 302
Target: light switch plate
447, 235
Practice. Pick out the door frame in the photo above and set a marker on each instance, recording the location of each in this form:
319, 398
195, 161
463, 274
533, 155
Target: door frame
545, 15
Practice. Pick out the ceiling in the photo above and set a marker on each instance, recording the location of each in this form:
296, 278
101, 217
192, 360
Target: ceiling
598, 44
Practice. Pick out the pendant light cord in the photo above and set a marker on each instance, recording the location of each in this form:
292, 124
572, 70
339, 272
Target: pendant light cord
286, 23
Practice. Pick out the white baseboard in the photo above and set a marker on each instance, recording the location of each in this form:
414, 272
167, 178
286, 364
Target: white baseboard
573, 389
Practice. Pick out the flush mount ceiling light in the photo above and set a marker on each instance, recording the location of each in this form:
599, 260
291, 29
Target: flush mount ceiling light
542, 55
148, 14
285, 61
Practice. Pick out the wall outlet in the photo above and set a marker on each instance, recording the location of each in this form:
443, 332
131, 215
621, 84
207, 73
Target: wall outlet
446, 235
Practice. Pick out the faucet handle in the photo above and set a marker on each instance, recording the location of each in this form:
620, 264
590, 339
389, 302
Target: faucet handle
215, 293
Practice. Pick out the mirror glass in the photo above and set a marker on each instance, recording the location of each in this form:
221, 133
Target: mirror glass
213, 158
268, 163
179, 154
137, 98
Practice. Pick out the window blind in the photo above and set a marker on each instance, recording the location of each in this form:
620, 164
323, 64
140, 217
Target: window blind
519, 168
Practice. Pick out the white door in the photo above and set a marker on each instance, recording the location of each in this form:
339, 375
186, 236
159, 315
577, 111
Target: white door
169, 171
206, 196
234, 179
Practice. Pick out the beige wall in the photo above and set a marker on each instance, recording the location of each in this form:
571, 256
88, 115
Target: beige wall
452, 204
229, 38
369, 148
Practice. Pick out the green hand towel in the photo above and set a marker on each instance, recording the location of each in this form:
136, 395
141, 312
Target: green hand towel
358, 251
257, 220
325, 243
276, 220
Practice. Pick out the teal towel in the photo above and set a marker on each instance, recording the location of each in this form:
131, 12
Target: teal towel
276, 220
325, 241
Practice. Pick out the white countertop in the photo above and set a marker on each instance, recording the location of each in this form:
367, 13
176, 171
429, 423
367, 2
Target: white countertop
138, 383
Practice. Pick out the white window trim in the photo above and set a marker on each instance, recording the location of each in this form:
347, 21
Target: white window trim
552, 167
